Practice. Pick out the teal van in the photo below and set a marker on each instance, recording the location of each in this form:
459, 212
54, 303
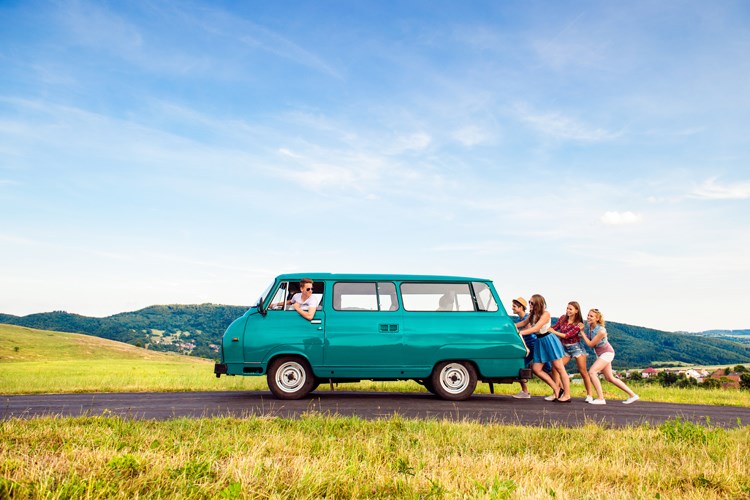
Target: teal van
444, 332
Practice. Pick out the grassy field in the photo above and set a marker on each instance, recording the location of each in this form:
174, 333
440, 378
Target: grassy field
315, 457
323, 456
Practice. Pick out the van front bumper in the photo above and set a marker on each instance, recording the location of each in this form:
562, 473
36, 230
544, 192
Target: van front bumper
220, 369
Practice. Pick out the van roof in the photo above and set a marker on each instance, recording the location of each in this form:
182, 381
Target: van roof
376, 277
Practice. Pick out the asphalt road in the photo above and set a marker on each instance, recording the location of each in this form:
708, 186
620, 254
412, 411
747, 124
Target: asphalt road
482, 408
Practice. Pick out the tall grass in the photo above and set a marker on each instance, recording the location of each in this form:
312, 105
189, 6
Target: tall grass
319, 456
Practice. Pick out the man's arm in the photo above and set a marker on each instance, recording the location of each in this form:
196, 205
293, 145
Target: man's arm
309, 314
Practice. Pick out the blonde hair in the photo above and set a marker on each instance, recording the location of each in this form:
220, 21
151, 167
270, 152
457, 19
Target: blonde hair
599, 315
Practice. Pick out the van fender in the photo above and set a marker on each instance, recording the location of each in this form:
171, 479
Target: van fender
496, 360
472, 353
284, 350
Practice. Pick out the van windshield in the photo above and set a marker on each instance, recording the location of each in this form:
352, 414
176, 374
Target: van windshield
264, 294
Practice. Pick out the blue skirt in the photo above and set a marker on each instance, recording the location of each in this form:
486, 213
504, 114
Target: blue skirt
548, 349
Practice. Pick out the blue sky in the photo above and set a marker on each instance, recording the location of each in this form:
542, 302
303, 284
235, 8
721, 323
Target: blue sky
188, 152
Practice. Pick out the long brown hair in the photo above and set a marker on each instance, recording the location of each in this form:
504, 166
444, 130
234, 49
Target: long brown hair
578, 318
539, 305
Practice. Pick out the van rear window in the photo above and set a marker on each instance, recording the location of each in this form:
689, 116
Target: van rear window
437, 297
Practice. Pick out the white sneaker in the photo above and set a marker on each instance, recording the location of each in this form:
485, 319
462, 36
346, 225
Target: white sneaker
588, 399
551, 397
632, 399
522, 395
597, 402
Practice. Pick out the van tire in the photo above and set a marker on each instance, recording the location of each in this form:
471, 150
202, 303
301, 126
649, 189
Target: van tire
290, 377
454, 380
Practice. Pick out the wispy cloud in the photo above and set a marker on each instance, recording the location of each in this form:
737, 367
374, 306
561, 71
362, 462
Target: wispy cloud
712, 190
560, 126
571, 46
235, 30
471, 135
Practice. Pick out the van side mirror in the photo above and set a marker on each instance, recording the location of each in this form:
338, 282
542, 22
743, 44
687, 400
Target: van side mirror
259, 305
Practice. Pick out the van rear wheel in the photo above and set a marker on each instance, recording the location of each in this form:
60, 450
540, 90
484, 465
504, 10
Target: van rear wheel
290, 377
454, 380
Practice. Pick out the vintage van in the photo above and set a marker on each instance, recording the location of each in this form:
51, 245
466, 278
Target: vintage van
445, 332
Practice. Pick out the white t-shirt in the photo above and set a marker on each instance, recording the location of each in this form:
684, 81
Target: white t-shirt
311, 302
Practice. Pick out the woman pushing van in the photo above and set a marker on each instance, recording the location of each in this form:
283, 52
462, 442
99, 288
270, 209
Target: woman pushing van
596, 338
548, 348
568, 329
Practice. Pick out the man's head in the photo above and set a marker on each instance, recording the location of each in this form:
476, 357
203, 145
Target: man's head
519, 306
306, 287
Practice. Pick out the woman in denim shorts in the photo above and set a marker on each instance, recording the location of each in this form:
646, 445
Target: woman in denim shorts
568, 328
597, 339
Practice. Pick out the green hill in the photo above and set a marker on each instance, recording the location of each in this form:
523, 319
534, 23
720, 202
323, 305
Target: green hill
41, 361
197, 329
636, 346
21, 344
187, 329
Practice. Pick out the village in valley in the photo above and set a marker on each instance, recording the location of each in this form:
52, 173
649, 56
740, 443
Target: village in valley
730, 377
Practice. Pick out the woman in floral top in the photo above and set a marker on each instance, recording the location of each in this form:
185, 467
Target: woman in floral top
568, 329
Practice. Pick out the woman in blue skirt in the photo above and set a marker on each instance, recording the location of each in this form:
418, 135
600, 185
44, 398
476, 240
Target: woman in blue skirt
548, 348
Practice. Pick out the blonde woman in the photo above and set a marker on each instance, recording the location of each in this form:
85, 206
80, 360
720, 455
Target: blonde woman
548, 348
596, 338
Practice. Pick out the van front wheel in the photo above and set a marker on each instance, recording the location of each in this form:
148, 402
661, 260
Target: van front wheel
454, 380
290, 377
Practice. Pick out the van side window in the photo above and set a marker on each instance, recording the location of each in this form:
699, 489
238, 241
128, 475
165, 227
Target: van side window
437, 297
287, 290
483, 294
364, 296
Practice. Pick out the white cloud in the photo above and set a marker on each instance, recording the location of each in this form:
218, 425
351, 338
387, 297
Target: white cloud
471, 136
417, 141
563, 127
710, 190
620, 218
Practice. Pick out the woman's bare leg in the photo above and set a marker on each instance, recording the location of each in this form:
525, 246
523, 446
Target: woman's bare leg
607, 371
581, 362
559, 368
539, 372
597, 367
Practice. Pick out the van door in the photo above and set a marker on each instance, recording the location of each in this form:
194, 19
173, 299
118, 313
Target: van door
284, 330
363, 335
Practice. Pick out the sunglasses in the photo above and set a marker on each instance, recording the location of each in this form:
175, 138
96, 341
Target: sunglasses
308, 289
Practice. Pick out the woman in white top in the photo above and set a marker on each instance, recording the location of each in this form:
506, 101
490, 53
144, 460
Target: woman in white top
548, 348
596, 338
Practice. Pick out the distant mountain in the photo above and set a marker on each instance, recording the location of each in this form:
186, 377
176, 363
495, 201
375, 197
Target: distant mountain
197, 330
636, 346
740, 336
724, 332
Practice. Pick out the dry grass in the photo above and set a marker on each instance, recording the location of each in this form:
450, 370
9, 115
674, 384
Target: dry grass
317, 456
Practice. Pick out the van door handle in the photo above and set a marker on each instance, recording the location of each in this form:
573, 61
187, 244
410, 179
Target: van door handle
316, 321
387, 328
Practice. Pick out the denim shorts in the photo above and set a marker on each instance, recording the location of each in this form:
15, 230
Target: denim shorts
575, 350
